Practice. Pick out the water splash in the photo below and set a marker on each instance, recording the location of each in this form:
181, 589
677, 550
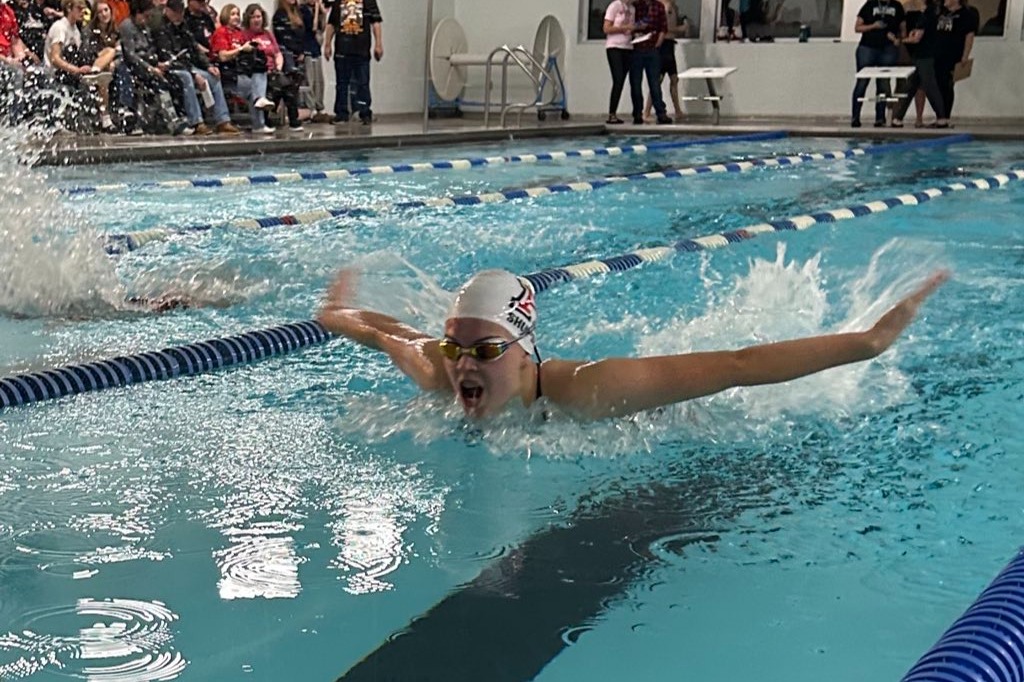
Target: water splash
775, 300
51, 263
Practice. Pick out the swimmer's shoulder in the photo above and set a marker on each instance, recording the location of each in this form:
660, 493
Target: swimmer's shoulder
558, 377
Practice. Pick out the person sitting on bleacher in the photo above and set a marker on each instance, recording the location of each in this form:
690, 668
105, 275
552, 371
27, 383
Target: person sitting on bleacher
32, 25
13, 59
243, 68
103, 45
66, 56
164, 96
281, 85
176, 46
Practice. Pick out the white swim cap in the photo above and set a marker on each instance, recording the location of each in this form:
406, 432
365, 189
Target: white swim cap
499, 296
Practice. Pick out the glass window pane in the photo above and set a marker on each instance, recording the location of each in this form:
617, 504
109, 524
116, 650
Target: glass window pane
595, 10
595, 18
783, 18
992, 17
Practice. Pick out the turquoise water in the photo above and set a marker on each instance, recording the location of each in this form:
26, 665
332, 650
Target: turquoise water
286, 519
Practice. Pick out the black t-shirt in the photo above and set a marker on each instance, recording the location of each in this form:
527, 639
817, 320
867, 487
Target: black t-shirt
925, 21
201, 27
880, 10
351, 20
952, 28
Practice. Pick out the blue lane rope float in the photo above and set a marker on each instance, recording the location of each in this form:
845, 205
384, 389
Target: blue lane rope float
130, 241
986, 643
179, 361
213, 354
450, 164
547, 278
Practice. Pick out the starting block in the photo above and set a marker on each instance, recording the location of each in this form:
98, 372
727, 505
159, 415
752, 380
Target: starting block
884, 72
709, 74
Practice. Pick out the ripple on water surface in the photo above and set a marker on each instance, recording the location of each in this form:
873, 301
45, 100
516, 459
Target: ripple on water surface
122, 640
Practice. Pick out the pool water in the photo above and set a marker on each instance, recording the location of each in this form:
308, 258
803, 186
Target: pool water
311, 516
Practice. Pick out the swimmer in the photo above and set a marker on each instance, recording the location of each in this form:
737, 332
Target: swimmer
488, 356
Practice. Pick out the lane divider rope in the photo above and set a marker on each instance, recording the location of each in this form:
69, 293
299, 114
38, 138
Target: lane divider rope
206, 356
450, 164
116, 244
986, 643
547, 278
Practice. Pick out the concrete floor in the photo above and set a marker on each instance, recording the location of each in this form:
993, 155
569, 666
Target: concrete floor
408, 130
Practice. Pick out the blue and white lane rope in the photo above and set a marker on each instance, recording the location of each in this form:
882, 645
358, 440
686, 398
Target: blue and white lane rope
451, 164
986, 643
216, 353
547, 278
130, 241
179, 361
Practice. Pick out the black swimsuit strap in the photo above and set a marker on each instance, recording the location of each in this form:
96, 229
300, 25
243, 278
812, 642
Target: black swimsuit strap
540, 392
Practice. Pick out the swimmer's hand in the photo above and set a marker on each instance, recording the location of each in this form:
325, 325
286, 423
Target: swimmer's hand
891, 325
413, 351
342, 292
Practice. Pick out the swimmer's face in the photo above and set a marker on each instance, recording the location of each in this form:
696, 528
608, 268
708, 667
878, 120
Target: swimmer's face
483, 387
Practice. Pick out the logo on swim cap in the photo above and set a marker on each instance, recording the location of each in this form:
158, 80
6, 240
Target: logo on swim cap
501, 297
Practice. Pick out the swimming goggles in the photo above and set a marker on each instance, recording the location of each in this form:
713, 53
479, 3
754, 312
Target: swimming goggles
484, 352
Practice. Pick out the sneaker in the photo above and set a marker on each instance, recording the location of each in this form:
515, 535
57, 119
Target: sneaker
855, 124
613, 120
664, 120
880, 123
134, 131
102, 78
265, 130
338, 120
181, 127
201, 129
296, 128
227, 128
108, 127
366, 121
638, 121
264, 104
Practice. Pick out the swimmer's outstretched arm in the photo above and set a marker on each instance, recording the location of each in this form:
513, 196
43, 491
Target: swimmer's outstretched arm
412, 351
620, 386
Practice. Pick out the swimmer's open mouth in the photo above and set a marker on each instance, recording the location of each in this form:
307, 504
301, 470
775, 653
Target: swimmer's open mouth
470, 392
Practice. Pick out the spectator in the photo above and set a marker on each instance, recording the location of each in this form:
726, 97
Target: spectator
312, 20
187, 63
201, 25
280, 85
33, 25
14, 56
243, 68
120, 9
619, 19
667, 57
881, 25
347, 38
65, 54
956, 28
920, 43
103, 47
651, 25
288, 32
152, 84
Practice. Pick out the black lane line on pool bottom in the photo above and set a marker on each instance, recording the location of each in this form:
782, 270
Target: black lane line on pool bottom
511, 621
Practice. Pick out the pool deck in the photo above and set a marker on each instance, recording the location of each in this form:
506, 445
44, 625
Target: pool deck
407, 130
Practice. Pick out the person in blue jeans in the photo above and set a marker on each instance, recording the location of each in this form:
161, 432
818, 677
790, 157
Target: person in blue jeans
882, 26
347, 38
651, 25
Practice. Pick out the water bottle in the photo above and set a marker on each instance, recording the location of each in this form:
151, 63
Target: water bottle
207, 96
805, 32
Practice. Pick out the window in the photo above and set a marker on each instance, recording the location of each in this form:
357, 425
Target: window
757, 19
991, 17
690, 9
